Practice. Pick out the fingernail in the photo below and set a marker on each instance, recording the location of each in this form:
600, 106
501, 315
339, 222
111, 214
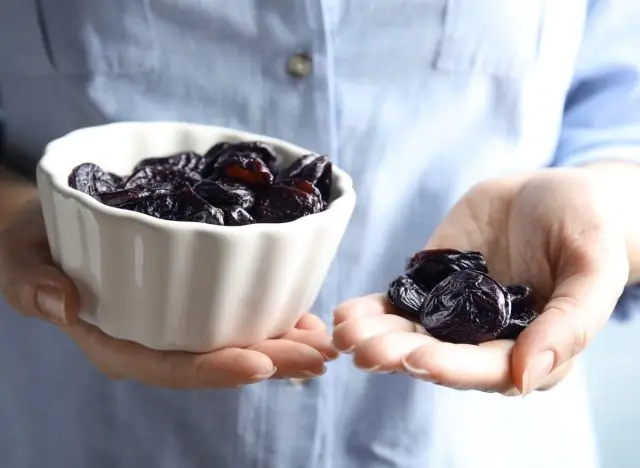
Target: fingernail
342, 351
51, 302
375, 370
330, 356
537, 371
306, 375
268, 375
421, 374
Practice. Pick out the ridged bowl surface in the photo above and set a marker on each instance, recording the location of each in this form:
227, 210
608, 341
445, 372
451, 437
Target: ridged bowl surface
182, 286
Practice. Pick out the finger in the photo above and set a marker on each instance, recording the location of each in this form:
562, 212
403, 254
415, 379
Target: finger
385, 353
373, 304
311, 322
579, 307
34, 287
484, 367
351, 333
292, 359
220, 369
318, 340
557, 376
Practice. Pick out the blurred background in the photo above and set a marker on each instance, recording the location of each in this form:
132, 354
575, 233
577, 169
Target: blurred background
614, 384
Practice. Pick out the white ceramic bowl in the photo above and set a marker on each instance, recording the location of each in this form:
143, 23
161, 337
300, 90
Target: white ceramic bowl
182, 286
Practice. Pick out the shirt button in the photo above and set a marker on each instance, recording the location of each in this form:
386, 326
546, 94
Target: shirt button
300, 65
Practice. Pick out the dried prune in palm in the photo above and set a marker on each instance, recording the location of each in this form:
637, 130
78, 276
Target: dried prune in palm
520, 319
523, 311
430, 267
466, 307
521, 296
314, 168
406, 296
93, 180
281, 204
224, 194
237, 216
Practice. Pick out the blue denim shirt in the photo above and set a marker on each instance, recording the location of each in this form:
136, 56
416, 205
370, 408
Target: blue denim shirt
418, 100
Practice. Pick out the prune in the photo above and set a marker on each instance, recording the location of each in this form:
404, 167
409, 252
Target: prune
466, 307
314, 168
122, 197
232, 184
183, 205
176, 169
281, 203
520, 319
187, 161
406, 296
521, 296
237, 216
92, 180
429, 267
451, 294
224, 194
303, 185
246, 150
243, 168
522, 311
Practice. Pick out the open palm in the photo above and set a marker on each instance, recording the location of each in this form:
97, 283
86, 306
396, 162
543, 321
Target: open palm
550, 230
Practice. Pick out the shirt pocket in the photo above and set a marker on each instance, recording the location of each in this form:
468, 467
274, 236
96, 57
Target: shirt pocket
83, 36
490, 37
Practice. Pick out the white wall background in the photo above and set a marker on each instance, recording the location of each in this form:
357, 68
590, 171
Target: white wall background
613, 367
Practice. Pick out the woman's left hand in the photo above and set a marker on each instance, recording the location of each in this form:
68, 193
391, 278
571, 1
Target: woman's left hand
553, 230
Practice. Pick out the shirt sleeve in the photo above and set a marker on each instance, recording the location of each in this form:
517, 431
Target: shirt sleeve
602, 110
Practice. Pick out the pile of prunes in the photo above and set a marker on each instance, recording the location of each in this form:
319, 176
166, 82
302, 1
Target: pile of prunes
232, 184
451, 294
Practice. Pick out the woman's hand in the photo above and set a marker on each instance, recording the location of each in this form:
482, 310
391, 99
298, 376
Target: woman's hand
554, 230
35, 287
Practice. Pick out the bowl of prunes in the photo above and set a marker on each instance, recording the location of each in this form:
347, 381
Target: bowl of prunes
191, 237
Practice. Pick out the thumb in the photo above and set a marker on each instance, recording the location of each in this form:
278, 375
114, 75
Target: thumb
579, 307
32, 285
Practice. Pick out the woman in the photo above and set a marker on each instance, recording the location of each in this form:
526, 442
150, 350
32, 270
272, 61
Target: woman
513, 130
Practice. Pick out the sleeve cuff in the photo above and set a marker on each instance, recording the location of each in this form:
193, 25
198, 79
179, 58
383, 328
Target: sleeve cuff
593, 155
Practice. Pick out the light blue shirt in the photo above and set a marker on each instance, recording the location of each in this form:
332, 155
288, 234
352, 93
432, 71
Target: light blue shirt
418, 100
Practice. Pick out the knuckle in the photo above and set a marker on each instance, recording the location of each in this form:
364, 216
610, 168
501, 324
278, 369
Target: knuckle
581, 337
163, 368
202, 372
13, 296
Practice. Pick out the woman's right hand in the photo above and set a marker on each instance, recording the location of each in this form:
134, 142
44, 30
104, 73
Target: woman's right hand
34, 286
